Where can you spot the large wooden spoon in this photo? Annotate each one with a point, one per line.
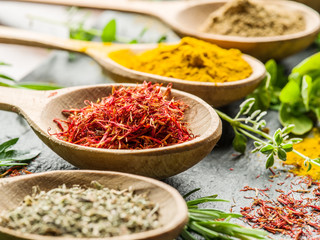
(40, 108)
(186, 17)
(216, 94)
(173, 213)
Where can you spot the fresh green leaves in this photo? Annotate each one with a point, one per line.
(300, 104)
(12, 157)
(214, 224)
(297, 97)
(109, 31)
(274, 146)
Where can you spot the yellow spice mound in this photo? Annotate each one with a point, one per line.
(191, 59)
(310, 147)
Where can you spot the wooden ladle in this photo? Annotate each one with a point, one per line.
(216, 94)
(39, 108)
(186, 17)
(173, 213)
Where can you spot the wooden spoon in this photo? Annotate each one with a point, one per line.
(40, 108)
(186, 17)
(216, 94)
(173, 210)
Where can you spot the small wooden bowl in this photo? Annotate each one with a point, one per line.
(173, 210)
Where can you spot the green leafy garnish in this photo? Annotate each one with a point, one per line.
(296, 97)
(109, 31)
(249, 124)
(11, 157)
(214, 224)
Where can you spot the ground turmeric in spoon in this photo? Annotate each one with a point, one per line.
(191, 59)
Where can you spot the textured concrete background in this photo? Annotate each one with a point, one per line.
(222, 172)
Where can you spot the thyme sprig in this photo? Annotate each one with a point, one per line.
(214, 224)
(251, 126)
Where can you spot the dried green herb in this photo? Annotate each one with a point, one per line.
(79, 212)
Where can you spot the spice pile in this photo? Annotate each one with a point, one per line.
(294, 213)
(309, 146)
(191, 59)
(249, 18)
(83, 212)
(138, 117)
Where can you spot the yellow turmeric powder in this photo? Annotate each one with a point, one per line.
(191, 59)
(310, 147)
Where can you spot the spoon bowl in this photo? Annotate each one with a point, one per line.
(173, 213)
(216, 94)
(187, 17)
(41, 107)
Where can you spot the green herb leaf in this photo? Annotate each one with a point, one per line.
(270, 161)
(38, 86)
(11, 157)
(8, 144)
(267, 149)
(109, 31)
(287, 147)
(282, 154)
(309, 64)
(163, 38)
(290, 93)
(306, 90)
(239, 142)
(246, 106)
(303, 124)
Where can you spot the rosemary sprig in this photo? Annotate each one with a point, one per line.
(214, 224)
(251, 126)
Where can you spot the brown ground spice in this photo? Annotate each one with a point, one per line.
(247, 18)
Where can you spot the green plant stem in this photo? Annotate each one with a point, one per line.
(237, 124)
(251, 136)
(300, 154)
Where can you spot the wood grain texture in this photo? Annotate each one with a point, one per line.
(173, 210)
(186, 18)
(41, 107)
(216, 94)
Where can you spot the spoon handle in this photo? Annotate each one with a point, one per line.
(29, 38)
(22, 101)
(153, 8)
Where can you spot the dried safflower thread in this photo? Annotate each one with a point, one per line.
(93, 212)
(293, 213)
(139, 117)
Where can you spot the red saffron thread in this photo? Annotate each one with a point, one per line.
(137, 117)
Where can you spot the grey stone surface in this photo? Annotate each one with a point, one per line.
(222, 172)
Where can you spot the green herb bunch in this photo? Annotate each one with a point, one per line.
(214, 224)
(12, 157)
(297, 97)
(251, 126)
